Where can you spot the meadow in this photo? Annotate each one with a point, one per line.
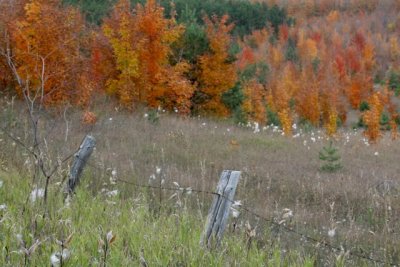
(292, 213)
(301, 97)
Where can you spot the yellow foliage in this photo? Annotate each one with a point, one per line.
(333, 16)
(254, 103)
(312, 49)
(47, 43)
(394, 47)
(331, 124)
(369, 56)
(372, 117)
(216, 75)
(286, 121)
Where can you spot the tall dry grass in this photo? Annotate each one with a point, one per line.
(357, 207)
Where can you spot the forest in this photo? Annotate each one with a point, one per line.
(320, 63)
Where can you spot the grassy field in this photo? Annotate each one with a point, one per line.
(355, 209)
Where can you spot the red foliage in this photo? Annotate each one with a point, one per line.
(353, 59)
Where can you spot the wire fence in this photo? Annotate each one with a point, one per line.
(302, 236)
(318, 242)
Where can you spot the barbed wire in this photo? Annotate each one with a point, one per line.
(316, 241)
(270, 221)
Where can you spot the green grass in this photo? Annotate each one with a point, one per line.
(170, 238)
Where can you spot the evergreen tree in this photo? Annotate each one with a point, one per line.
(330, 157)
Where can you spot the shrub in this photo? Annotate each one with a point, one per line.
(272, 117)
(364, 106)
(330, 158)
(394, 82)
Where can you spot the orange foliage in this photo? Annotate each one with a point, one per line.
(368, 56)
(247, 57)
(372, 117)
(325, 69)
(340, 66)
(102, 64)
(141, 46)
(308, 106)
(312, 49)
(254, 103)
(179, 90)
(155, 36)
(354, 93)
(334, 68)
(333, 16)
(89, 118)
(353, 60)
(281, 98)
(217, 75)
(47, 43)
(10, 11)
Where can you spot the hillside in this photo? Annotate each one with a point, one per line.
(301, 97)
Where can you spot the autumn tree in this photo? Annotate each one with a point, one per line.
(47, 51)
(308, 97)
(141, 43)
(254, 101)
(280, 97)
(372, 117)
(10, 11)
(156, 35)
(217, 75)
(121, 33)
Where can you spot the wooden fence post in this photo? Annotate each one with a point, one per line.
(219, 212)
(81, 157)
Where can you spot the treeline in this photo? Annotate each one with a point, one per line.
(228, 58)
(246, 15)
(176, 54)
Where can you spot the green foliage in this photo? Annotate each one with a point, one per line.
(397, 120)
(249, 72)
(239, 117)
(291, 51)
(360, 123)
(364, 106)
(272, 117)
(153, 116)
(258, 70)
(263, 70)
(306, 125)
(330, 157)
(234, 49)
(384, 121)
(233, 99)
(315, 63)
(246, 15)
(276, 17)
(394, 81)
(94, 10)
(92, 218)
(194, 41)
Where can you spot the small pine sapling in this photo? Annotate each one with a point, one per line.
(331, 158)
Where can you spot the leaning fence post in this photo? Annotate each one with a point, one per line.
(219, 212)
(81, 157)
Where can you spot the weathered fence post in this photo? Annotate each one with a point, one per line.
(81, 157)
(219, 212)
